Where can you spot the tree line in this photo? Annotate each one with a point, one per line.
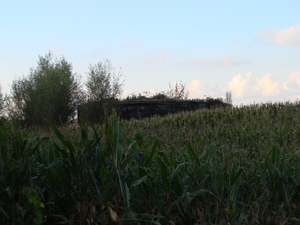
(52, 91)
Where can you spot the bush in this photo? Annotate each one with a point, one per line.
(51, 91)
(102, 82)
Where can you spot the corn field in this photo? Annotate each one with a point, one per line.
(239, 165)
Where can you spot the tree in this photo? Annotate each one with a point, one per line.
(102, 82)
(103, 89)
(228, 99)
(178, 91)
(1, 102)
(51, 91)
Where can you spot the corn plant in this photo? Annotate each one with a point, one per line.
(238, 165)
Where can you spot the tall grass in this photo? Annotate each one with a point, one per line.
(223, 166)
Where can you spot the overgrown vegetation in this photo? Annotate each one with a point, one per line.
(104, 87)
(103, 83)
(51, 91)
(237, 165)
(176, 92)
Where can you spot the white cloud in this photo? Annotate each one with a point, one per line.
(196, 88)
(152, 92)
(228, 60)
(159, 57)
(126, 93)
(245, 86)
(292, 84)
(199, 89)
(266, 85)
(285, 37)
(239, 85)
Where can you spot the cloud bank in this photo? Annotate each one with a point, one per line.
(239, 85)
(285, 37)
(266, 86)
(292, 84)
(247, 88)
(197, 88)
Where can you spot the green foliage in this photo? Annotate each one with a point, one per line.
(103, 89)
(1, 102)
(50, 91)
(136, 97)
(228, 98)
(160, 96)
(177, 91)
(222, 166)
(102, 82)
(93, 112)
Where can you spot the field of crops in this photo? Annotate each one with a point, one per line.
(238, 165)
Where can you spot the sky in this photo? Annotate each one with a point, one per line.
(251, 48)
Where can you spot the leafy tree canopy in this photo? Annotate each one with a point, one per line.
(103, 82)
(51, 91)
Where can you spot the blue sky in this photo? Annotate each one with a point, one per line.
(249, 47)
